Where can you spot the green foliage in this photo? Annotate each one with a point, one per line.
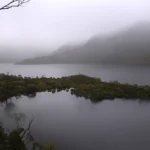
(15, 141)
(12, 140)
(19, 138)
(3, 139)
(80, 85)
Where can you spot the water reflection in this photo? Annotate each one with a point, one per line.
(33, 95)
(77, 124)
(10, 108)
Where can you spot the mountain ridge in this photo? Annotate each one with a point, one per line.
(130, 46)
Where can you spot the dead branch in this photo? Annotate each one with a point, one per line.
(14, 3)
(28, 129)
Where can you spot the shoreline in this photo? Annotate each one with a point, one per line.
(79, 85)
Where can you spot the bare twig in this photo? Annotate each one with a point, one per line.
(28, 128)
(27, 140)
(14, 3)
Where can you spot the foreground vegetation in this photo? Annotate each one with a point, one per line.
(20, 138)
(79, 85)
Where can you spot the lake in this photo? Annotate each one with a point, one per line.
(132, 74)
(72, 123)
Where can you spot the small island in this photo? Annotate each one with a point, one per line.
(79, 85)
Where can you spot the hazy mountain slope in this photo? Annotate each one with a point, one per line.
(130, 46)
(8, 55)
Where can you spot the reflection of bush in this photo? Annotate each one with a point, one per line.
(79, 85)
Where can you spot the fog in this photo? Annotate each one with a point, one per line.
(42, 26)
(51, 23)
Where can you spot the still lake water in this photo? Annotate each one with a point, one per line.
(72, 123)
(132, 74)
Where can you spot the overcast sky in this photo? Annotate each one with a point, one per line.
(51, 23)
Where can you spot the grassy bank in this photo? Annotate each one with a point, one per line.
(79, 85)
